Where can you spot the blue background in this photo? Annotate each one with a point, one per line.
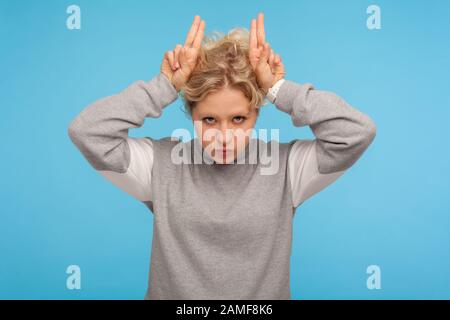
(390, 209)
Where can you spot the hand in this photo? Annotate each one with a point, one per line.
(267, 65)
(179, 63)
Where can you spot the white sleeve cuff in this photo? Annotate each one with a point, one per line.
(272, 92)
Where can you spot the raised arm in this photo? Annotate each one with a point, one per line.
(342, 132)
(342, 135)
(100, 131)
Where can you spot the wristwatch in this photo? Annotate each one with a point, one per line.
(272, 92)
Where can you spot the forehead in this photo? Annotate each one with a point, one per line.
(225, 102)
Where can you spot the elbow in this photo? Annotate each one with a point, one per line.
(71, 130)
(370, 131)
(333, 157)
(75, 132)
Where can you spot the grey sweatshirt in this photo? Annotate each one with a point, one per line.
(220, 231)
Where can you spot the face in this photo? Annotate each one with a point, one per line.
(224, 120)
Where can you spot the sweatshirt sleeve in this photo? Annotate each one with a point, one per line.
(342, 134)
(100, 132)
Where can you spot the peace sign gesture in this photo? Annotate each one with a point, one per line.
(179, 63)
(267, 65)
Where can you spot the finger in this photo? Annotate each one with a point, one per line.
(253, 36)
(271, 58)
(277, 59)
(255, 56)
(265, 52)
(170, 58)
(182, 58)
(279, 70)
(260, 29)
(199, 36)
(279, 67)
(192, 31)
(176, 52)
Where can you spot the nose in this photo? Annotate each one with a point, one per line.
(224, 136)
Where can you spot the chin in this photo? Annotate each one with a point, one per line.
(221, 160)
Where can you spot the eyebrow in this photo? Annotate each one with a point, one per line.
(212, 115)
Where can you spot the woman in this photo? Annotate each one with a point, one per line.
(222, 227)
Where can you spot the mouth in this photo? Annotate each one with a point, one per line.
(224, 151)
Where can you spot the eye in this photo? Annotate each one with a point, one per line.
(209, 120)
(239, 119)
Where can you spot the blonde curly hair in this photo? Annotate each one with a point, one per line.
(223, 62)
